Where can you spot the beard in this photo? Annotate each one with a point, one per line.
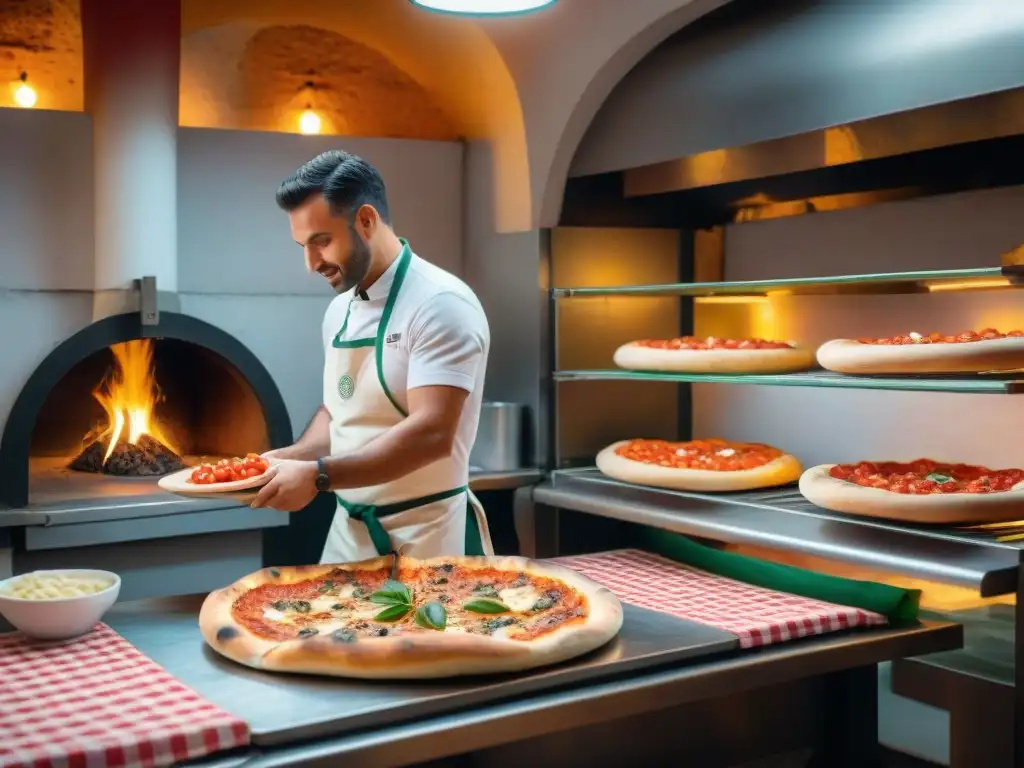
(356, 266)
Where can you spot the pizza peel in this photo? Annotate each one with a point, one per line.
(243, 491)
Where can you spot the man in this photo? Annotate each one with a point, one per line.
(405, 346)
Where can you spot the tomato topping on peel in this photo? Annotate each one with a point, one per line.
(925, 476)
(712, 454)
(229, 470)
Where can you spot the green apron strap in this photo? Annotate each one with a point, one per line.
(369, 514)
(404, 258)
(337, 343)
(474, 541)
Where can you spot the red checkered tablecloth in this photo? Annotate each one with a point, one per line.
(97, 702)
(757, 616)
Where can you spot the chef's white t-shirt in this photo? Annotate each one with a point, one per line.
(437, 336)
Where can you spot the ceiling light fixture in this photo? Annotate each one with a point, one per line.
(25, 94)
(483, 7)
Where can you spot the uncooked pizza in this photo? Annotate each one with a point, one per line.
(966, 352)
(441, 617)
(698, 465)
(923, 491)
(689, 354)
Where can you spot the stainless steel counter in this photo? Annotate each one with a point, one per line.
(117, 499)
(643, 693)
(783, 519)
(286, 708)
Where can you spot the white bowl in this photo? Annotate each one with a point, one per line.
(59, 618)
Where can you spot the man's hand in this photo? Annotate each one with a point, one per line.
(292, 486)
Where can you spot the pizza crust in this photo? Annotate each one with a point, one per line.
(827, 492)
(785, 469)
(419, 655)
(636, 357)
(850, 356)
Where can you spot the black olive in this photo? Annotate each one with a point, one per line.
(543, 604)
(302, 606)
(280, 605)
(337, 607)
(441, 580)
(343, 636)
(381, 632)
(447, 567)
(485, 590)
(504, 621)
(308, 631)
(444, 599)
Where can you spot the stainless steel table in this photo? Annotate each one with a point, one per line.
(665, 684)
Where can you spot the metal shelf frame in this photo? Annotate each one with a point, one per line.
(887, 282)
(783, 519)
(823, 379)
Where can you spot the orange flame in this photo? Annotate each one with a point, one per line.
(129, 395)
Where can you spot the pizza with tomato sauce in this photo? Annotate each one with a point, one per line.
(689, 354)
(923, 490)
(225, 476)
(441, 617)
(983, 351)
(698, 465)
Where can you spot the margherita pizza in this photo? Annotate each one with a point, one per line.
(698, 465)
(223, 477)
(967, 352)
(921, 491)
(441, 617)
(689, 354)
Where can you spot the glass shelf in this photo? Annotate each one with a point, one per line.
(995, 384)
(896, 282)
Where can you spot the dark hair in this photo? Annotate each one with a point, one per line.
(346, 181)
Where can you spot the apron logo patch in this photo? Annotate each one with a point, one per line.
(392, 338)
(346, 387)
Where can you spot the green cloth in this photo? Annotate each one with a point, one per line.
(892, 602)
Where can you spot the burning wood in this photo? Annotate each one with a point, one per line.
(131, 442)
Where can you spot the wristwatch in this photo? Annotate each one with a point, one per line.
(323, 482)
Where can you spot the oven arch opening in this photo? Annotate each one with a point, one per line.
(179, 331)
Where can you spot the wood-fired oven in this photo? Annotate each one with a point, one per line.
(125, 400)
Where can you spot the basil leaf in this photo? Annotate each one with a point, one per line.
(936, 477)
(388, 598)
(395, 586)
(432, 616)
(483, 605)
(392, 593)
(394, 613)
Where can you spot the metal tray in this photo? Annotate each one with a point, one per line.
(282, 708)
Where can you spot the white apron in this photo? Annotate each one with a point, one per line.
(431, 512)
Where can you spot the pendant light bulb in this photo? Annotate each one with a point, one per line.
(309, 123)
(25, 95)
(483, 7)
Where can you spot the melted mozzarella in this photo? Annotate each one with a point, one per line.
(519, 598)
(273, 615)
(323, 604)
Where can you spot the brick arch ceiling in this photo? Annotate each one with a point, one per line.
(245, 76)
(454, 61)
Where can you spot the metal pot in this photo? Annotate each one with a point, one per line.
(499, 437)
